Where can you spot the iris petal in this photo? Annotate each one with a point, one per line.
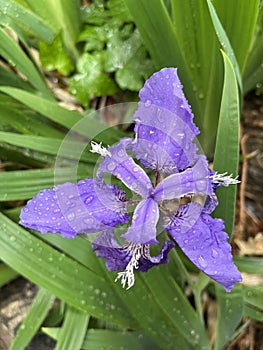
(124, 168)
(117, 256)
(205, 244)
(192, 180)
(69, 209)
(143, 226)
(164, 120)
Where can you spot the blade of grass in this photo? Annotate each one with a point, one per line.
(27, 19)
(249, 264)
(72, 149)
(6, 274)
(97, 339)
(230, 313)
(63, 15)
(156, 28)
(236, 22)
(253, 73)
(225, 43)
(73, 330)
(33, 320)
(24, 184)
(227, 145)
(87, 126)
(11, 51)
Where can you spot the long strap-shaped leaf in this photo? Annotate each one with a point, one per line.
(253, 73)
(156, 28)
(73, 330)
(33, 320)
(11, 51)
(89, 127)
(224, 41)
(230, 313)
(98, 339)
(24, 184)
(226, 159)
(227, 145)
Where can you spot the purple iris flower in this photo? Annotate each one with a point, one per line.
(172, 189)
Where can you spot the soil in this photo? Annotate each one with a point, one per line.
(17, 296)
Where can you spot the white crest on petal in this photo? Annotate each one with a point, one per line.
(127, 276)
(98, 148)
(224, 179)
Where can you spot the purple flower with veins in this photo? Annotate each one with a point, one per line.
(178, 195)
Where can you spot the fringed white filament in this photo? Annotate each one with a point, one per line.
(98, 148)
(224, 179)
(127, 276)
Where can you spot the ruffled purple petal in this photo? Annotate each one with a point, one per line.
(70, 209)
(117, 256)
(164, 120)
(124, 168)
(205, 244)
(108, 248)
(145, 263)
(143, 226)
(192, 180)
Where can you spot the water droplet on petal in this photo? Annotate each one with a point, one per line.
(148, 103)
(214, 253)
(71, 216)
(89, 199)
(202, 261)
(111, 166)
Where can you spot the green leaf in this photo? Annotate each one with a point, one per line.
(186, 40)
(249, 264)
(129, 58)
(11, 51)
(33, 320)
(61, 15)
(27, 19)
(253, 306)
(156, 29)
(15, 116)
(236, 23)
(61, 275)
(9, 78)
(176, 306)
(24, 184)
(95, 37)
(253, 73)
(96, 339)
(253, 296)
(230, 313)
(226, 157)
(253, 313)
(91, 81)
(53, 56)
(99, 338)
(6, 274)
(224, 41)
(81, 251)
(73, 330)
(84, 125)
(41, 105)
(72, 149)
